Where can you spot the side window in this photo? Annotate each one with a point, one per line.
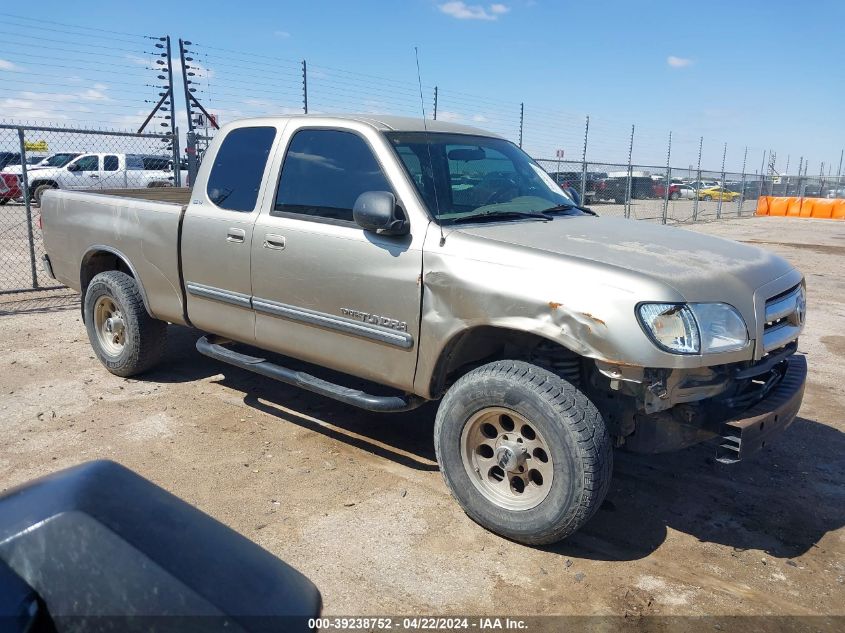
(110, 163)
(324, 173)
(88, 163)
(238, 168)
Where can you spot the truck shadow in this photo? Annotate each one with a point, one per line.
(404, 438)
(782, 500)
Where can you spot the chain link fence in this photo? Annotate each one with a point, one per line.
(35, 159)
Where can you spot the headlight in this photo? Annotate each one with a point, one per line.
(694, 328)
(722, 328)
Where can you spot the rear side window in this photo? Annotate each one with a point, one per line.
(324, 173)
(238, 167)
(110, 163)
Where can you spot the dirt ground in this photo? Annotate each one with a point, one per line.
(355, 500)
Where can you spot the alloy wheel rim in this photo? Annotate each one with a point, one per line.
(109, 326)
(507, 458)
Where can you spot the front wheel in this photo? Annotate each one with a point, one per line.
(39, 192)
(708, 198)
(525, 453)
(125, 338)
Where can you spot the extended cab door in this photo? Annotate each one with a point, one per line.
(217, 231)
(325, 290)
(112, 173)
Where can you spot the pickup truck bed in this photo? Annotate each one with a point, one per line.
(137, 226)
(176, 195)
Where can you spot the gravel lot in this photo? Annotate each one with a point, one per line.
(356, 502)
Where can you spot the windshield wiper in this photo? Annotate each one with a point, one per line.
(501, 214)
(569, 207)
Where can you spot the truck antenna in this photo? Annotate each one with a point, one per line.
(428, 147)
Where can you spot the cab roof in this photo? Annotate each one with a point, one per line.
(384, 123)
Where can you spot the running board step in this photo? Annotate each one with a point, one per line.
(214, 348)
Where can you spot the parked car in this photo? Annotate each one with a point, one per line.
(659, 187)
(615, 188)
(9, 158)
(59, 159)
(101, 171)
(685, 192)
(718, 193)
(9, 188)
(836, 193)
(572, 180)
(549, 335)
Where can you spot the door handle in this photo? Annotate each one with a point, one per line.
(236, 236)
(93, 176)
(274, 242)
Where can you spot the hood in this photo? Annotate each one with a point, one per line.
(700, 267)
(17, 171)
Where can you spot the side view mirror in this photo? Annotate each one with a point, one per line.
(377, 211)
(572, 192)
(73, 167)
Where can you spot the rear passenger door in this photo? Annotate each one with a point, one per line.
(217, 232)
(111, 175)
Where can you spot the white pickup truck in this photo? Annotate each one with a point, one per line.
(102, 171)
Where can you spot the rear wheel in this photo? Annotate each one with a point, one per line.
(525, 453)
(4, 201)
(125, 338)
(707, 197)
(674, 195)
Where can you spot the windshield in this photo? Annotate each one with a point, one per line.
(58, 160)
(475, 176)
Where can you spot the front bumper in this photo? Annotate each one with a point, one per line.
(744, 435)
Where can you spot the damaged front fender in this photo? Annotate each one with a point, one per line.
(586, 306)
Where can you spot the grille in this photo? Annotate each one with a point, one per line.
(784, 318)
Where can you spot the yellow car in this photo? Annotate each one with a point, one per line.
(717, 193)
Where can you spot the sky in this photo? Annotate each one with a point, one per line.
(763, 75)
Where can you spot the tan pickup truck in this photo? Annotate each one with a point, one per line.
(439, 261)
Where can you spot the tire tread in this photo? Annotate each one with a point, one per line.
(583, 419)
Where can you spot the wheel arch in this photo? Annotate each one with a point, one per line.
(36, 182)
(100, 258)
(481, 344)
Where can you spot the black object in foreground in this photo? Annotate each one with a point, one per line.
(96, 547)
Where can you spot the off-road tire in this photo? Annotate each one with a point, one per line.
(578, 441)
(39, 192)
(145, 337)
